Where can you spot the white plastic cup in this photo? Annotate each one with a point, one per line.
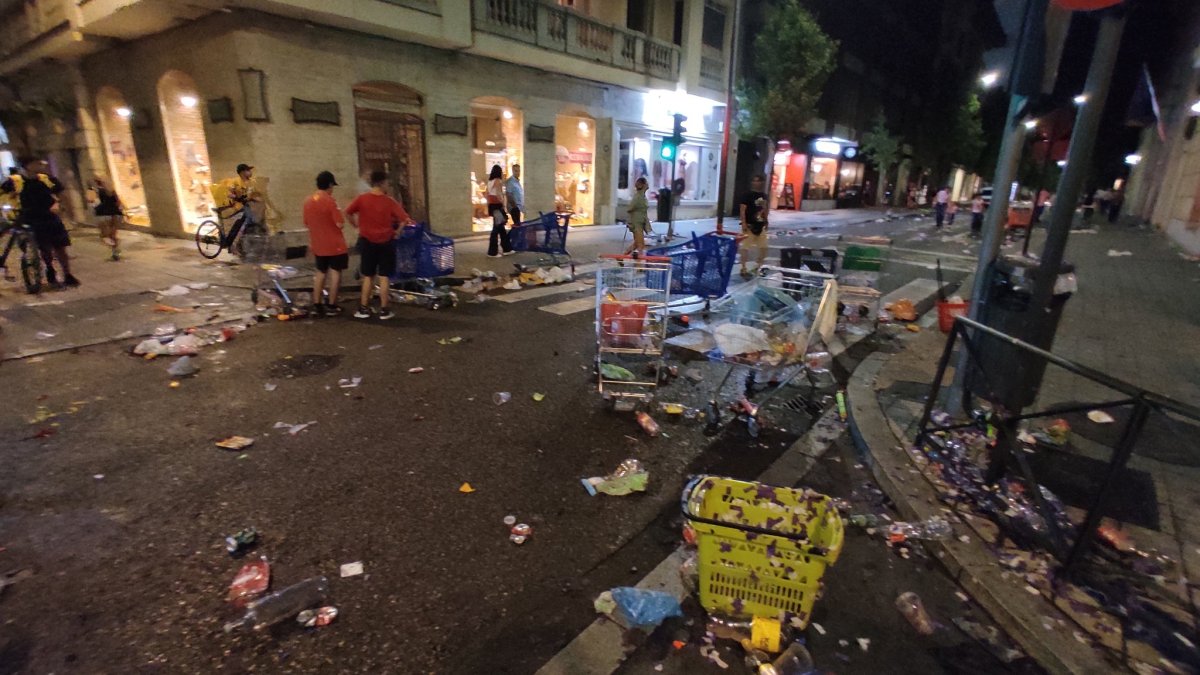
(501, 397)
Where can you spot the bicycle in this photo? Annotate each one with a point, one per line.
(20, 236)
(211, 238)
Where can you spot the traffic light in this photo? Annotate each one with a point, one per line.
(670, 146)
(667, 151)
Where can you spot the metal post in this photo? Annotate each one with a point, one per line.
(671, 201)
(943, 363)
(723, 177)
(1083, 139)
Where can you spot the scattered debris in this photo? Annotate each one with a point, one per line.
(241, 541)
(466, 488)
(414, 371)
(235, 443)
(42, 335)
(294, 429)
(1100, 417)
(910, 606)
(313, 618)
(1113, 253)
(175, 290)
(250, 582)
(270, 386)
(637, 608)
(184, 367)
(630, 476)
(501, 397)
(352, 569)
(282, 605)
(349, 383)
(520, 533)
(647, 423)
(451, 341)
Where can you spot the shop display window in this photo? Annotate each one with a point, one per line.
(823, 178)
(696, 165)
(497, 138)
(187, 148)
(574, 175)
(123, 163)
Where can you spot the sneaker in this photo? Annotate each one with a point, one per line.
(70, 280)
(363, 313)
(332, 310)
(509, 253)
(109, 241)
(493, 255)
(51, 277)
(385, 314)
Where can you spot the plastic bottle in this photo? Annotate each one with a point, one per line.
(936, 529)
(648, 424)
(795, 660)
(909, 604)
(282, 605)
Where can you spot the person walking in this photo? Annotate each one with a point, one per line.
(324, 221)
(495, 205)
(1115, 204)
(39, 210)
(939, 206)
(514, 195)
(639, 219)
(977, 208)
(378, 219)
(753, 212)
(109, 210)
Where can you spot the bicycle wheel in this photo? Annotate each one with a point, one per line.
(209, 237)
(31, 266)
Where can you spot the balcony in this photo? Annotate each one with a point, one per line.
(561, 30)
(21, 23)
(713, 72)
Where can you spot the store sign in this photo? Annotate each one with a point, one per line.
(580, 157)
(826, 147)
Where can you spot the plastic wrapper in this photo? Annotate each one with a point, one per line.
(638, 607)
(630, 476)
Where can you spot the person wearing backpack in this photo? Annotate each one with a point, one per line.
(753, 210)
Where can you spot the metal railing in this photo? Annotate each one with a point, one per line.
(713, 73)
(559, 29)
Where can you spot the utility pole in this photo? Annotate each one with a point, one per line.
(731, 81)
(1083, 140)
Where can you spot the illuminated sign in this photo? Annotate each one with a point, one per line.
(826, 147)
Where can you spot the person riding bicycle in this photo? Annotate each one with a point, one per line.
(243, 194)
(38, 192)
(10, 194)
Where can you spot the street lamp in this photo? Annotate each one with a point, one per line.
(989, 79)
(124, 112)
(1196, 107)
(1080, 99)
(1031, 124)
(1133, 160)
(1062, 163)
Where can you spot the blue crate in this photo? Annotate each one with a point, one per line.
(701, 266)
(420, 254)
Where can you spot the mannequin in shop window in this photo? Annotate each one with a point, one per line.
(495, 204)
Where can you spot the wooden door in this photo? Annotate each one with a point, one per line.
(395, 142)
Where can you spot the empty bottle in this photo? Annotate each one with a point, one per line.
(913, 609)
(282, 605)
(795, 660)
(648, 424)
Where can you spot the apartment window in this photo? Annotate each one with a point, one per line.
(626, 160)
(580, 6)
(677, 29)
(636, 14)
(713, 34)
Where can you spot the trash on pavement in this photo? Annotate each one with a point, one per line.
(735, 339)
(282, 605)
(513, 285)
(630, 476)
(349, 383)
(414, 371)
(250, 582)
(270, 386)
(766, 634)
(235, 443)
(520, 533)
(991, 637)
(902, 310)
(184, 367)
(175, 290)
(637, 608)
(694, 375)
(241, 541)
(321, 616)
(451, 341)
(910, 606)
(615, 372)
(165, 329)
(43, 335)
(934, 529)
(841, 404)
(1114, 253)
(1100, 417)
(501, 397)
(647, 423)
(538, 397)
(697, 340)
(466, 488)
(168, 308)
(795, 660)
(510, 520)
(199, 285)
(351, 569)
(294, 429)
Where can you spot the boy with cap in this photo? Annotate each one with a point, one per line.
(324, 221)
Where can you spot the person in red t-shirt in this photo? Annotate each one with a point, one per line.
(324, 221)
(378, 218)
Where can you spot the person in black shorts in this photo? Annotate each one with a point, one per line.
(39, 210)
(378, 218)
(324, 221)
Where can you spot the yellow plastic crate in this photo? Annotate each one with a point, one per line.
(763, 549)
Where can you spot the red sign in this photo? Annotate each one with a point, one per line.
(1086, 5)
(580, 157)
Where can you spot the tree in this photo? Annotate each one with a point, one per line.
(883, 150)
(966, 134)
(793, 60)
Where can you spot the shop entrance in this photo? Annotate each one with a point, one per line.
(391, 138)
(187, 147)
(575, 156)
(497, 138)
(122, 157)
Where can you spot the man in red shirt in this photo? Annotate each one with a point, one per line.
(324, 221)
(378, 218)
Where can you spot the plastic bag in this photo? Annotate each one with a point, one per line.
(630, 476)
(638, 607)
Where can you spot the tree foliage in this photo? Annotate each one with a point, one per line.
(966, 134)
(882, 150)
(794, 59)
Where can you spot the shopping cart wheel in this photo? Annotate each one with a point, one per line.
(209, 236)
(254, 296)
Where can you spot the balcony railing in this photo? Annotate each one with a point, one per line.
(25, 22)
(713, 73)
(562, 30)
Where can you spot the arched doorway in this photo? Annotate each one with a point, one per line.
(575, 167)
(187, 147)
(497, 137)
(391, 138)
(122, 156)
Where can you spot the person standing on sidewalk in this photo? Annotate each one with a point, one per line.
(639, 219)
(753, 211)
(514, 195)
(977, 208)
(495, 205)
(109, 210)
(324, 221)
(939, 206)
(39, 210)
(378, 218)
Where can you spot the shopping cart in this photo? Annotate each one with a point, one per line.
(273, 265)
(631, 326)
(771, 326)
(545, 234)
(864, 262)
(762, 549)
(422, 257)
(702, 266)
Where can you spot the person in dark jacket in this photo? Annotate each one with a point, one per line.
(110, 211)
(39, 210)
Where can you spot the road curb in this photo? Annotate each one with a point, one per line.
(1052, 645)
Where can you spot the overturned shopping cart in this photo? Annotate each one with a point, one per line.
(545, 234)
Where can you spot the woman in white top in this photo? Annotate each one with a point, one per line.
(495, 204)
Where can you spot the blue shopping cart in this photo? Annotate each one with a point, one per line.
(701, 266)
(422, 257)
(545, 234)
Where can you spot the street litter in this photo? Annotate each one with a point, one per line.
(630, 476)
(175, 290)
(312, 618)
(513, 285)
(250, 582)
(520, 533)
(168, 308)
(199, 285)
(647, 423)
(184, 367)
(910, 606)
(501, 397)
(282, 605)
(352, 569)
(466, 488)
(1100, 417)
(414, 371)
(349, 383)
(42, 335)
(902, 310)
(235, 443)
(374, 347)
(294, 429)
(270, 386)
(241, 541)
(451, 341)
(1114, 253)
(538, 397)
(991, 637)
(510, 520)
(934, 529)
(637, 608)
(614, 372)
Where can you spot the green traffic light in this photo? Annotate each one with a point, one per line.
(667, 152)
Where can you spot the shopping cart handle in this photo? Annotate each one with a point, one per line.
(645, 258)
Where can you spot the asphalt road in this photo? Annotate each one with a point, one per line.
(117, 506)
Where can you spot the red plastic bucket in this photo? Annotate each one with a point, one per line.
(947, 311)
